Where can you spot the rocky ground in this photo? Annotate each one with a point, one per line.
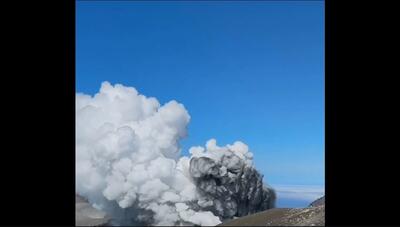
(86, 215)
(314, 215)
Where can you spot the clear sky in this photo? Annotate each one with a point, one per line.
(249, 71)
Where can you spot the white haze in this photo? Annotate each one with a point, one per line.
(128, 161)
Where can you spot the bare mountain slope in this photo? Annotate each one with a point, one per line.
(309, 216)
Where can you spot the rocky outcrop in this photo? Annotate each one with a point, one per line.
(318, 202)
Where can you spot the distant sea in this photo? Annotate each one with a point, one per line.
(292, 203)
(296, 196)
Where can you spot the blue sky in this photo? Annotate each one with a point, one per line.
(249, 71)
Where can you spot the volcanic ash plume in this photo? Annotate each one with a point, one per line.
(128, 164)
(227, 181)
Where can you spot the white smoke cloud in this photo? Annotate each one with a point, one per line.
(128, 162)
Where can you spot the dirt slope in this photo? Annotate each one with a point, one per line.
(309, 216)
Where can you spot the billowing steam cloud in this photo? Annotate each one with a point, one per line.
(128, 164)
